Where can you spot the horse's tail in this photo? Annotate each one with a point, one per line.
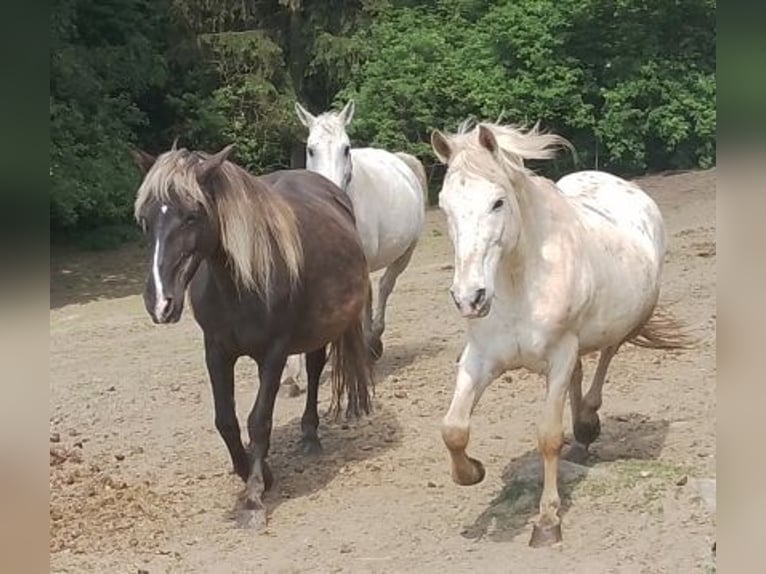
(351, 372)
(662, 331)
(417, 168)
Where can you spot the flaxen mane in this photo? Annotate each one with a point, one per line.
(252, 218)
(516, 144)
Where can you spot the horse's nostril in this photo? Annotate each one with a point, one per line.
(481, 295)
(163, 308)
(454, 297)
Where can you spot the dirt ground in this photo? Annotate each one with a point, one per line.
(140, 479)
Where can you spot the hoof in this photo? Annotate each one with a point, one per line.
(311, 447)
(375, 347)
(251, 519)
(576, 453)
(588, 429)
(474, 476)
(545, 535)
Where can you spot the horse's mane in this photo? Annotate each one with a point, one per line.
(251, 217)
(517, 144)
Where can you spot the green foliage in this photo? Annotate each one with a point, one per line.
(118, 78)
(631, 84)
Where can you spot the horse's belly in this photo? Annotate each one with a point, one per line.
(623, 296)
(384, 250)
(388, 225)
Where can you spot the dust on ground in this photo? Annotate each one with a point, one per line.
(140, 480)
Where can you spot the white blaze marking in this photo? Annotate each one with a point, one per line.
(159, 301)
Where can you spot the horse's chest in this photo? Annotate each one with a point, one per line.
(514, 343)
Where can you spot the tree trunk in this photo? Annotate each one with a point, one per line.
(296, 58)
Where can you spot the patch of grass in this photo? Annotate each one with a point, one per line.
(640, 484)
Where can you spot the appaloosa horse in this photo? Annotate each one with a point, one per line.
(274, 267)
(544, 273)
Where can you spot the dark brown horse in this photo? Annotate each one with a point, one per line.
(274, 267)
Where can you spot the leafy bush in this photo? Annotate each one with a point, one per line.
(631, 83)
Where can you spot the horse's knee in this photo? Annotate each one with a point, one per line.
(455, 437)
(550, 443)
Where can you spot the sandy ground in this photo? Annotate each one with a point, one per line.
(140, 479)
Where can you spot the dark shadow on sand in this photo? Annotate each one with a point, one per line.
(79, 277)
(623, 437)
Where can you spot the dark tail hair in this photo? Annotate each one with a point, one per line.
(351, 372)
(662, 331)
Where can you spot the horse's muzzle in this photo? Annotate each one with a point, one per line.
(474, 305)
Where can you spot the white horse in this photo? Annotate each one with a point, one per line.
(544, 273)
(388, 192)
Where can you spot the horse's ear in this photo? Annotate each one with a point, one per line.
(441, 146)
(210, 165)
(174, 147)
(143, 160)
(304, 116)
(487, 139)
(347, 113)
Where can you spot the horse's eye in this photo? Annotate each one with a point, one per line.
(190, 219)
(497, 205)
(346, 150)
(311, 151)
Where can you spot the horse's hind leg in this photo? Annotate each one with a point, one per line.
(585, 421)
(259, 427)
(576, 452)
(385, 287)
(315, 362)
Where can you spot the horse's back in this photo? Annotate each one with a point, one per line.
(609, 205)
(303, 188)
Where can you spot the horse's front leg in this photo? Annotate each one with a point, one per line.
(550, 436)
(474, 375)
(259, 427)
(220, 367)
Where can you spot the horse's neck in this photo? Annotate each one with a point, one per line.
(221, 275)
(522, 265)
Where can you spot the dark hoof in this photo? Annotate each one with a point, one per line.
(545, 535)
(587, 430)
(290, 389)
(311, 447)
(473, 476)
(376, 348)
(251, 519)
(576, 453)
